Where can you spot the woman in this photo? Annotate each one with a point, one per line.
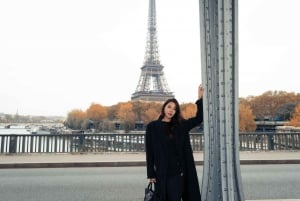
(169, 156)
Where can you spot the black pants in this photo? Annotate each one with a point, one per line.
(175, 187)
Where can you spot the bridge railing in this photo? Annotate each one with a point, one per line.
(269, 141)
(111, 142)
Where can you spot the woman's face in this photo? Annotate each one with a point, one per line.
(169, 111)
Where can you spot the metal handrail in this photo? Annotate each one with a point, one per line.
(114, 142)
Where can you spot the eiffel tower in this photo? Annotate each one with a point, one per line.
(152, 85)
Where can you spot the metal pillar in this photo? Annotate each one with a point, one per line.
(219, 60)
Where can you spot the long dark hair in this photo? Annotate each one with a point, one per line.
(176, 119)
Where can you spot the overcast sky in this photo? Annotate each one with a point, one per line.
(60, 55)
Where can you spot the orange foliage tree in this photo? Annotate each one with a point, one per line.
(246, 119)
(138, 109)
(76, 119)
(188, 110)
(126, 115)
(96, 113)
(269, 104)
(150, 114)
(151, 111)
(295, 120)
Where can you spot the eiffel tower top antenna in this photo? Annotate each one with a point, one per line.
(152, 85)
(152, 53)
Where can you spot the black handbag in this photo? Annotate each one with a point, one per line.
(150, 193)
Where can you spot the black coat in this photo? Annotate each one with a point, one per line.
(156, 155)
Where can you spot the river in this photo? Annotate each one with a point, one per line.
(18, 131)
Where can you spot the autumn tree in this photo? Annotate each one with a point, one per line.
(96, 113)
(188, 110)
(295, 120)
(264, 105)
(151, 111)
(126, 115)
(275, 105)
(112, 112)
(246, 119)
(76, 119)
(138, 109)
(150, 114)
(269, 103)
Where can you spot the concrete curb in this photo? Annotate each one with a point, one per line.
(127, 164)
(73, 164)
(125, 159)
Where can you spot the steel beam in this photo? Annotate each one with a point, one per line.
(219, 60)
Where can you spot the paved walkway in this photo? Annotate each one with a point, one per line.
(114, 159)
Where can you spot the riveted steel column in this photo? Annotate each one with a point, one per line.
(219, 59)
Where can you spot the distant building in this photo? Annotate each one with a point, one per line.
(268, 125)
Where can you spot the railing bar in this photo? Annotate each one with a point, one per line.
(134, 142)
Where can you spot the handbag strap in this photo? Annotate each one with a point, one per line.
(150, 185)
